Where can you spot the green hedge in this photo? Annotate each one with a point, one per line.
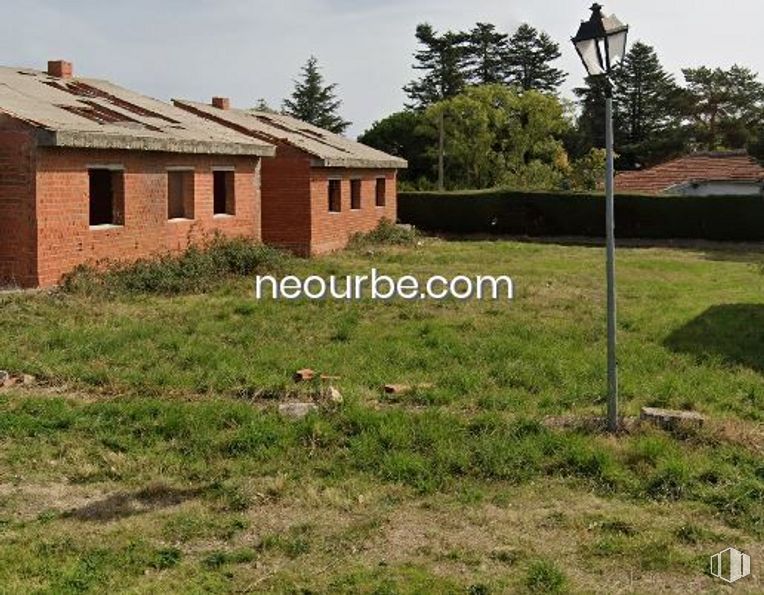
(730, 218)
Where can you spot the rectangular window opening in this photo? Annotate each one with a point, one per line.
(180, 194)
(335, 196)
(381, 192)
(355, 194)
(106, 196)
(224, 200)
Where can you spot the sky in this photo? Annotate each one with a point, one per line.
(251, 49)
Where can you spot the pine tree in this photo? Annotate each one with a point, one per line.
(725, 107)
(591, 122)
(442, 59)
(314, 102)
(645, 94)
(486, 55)
(529, 61)
(646, 101)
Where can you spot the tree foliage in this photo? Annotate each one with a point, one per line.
(496, 135)
(529, 57)
(725, 108)
(402, 134)
(441, 59)
(497, 94)
(648, 114)
(487, 53)
(315, 102)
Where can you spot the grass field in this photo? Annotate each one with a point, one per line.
(149, 456)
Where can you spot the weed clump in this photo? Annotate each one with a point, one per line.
(544, 577)
(386, 233)
(195, 270)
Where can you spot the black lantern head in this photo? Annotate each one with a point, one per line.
(601, 42)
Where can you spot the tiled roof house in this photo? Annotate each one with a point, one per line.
(721, 173)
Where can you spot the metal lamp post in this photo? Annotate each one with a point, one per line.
(601, 44)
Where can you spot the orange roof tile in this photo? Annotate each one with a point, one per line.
(698, 167)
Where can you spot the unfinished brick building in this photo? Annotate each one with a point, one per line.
(321, 188)
(90, 171)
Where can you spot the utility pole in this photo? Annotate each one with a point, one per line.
(441, 152)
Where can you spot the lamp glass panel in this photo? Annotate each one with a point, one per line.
(587, 48)
(617, 46)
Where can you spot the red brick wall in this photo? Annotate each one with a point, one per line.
(286, 200)
(331, 231)
(17, 223)
(66, 239)
(296, 203)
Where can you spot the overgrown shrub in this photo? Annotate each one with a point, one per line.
(195, 270)
(386, 233)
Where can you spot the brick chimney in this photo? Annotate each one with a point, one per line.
(60, 69)
(221, 103)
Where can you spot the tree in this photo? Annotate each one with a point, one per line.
(591, 122)
(529, 59)
(314, 102)
(587, 172)
(486, 55)
(403, 135)
(646, 101)
(496, 135)
(442, 60)
(724, 107)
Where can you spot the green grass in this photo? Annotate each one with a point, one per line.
(150, 458)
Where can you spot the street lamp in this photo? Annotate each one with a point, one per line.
(601, 44)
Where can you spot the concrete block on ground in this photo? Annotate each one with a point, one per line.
(669, 419)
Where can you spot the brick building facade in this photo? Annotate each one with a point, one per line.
(321, 188)
(90, 171)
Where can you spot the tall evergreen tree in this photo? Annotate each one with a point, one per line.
(645, 94)
(441, 59)
(725, 107)
(647, 108)
(529, 61)
(315, 102)
(591, 121)
(487, 55)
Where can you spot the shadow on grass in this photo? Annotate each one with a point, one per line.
(732, 332)
(125, 504)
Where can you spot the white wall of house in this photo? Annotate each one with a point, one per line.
(718, 188)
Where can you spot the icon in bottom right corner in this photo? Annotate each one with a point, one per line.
(730, 565)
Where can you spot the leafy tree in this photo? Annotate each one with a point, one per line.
(487, 55)
(647, 106)
(402, 134)
(587, 172)
(496, 135)
(724, 107)
(314, 102)
(442, 60)
(529, 59)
